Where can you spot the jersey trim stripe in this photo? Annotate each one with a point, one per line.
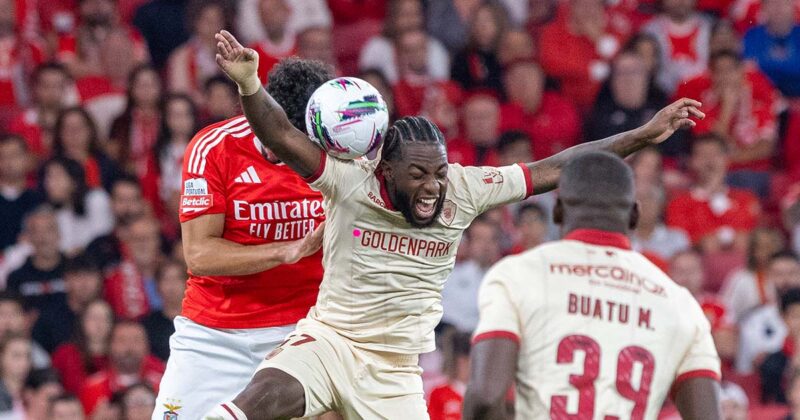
(228, 409)
(243, 130)
(700, 373)
(526, 171)
(320, 169)
(491, 335)
(600, 237)
(200, 151)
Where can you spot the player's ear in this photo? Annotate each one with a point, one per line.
(634, 220)
(558, 212)
(387, 170)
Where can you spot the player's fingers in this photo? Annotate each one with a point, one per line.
(231, 39)
(689, 102)
(221, 38)
(696, 112)
(220, 61)
(222, 51)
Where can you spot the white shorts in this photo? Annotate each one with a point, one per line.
(357, 383)
(208, 366)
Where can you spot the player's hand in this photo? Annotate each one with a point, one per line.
(238, 62)
(675, 116)
(306, 246)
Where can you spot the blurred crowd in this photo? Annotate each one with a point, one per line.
(98, 99)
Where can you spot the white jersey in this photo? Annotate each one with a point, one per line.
(603, 333)
(383, 277)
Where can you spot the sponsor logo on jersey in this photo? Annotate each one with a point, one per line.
(195, 186)
(448, 212)
(619, 277)
(196, 203)
(249, 176)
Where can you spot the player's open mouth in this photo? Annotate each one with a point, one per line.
(425, 207)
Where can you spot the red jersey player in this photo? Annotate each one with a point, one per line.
(244, 217)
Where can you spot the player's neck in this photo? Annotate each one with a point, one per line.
(594, 222)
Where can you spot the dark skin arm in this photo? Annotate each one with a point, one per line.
(698, 399)
(494, 365)
(266, 117)
(545, 172)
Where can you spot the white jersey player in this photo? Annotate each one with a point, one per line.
(589, 328)
(393, 227)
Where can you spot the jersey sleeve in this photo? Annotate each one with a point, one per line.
(203, 181)
(499, 317)
(489, 187)
(334, 175)
(701, 359)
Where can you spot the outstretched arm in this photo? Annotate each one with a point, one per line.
(545, 173)
(698, 398)
(266, 117)
(494, 363)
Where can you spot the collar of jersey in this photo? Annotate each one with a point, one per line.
(384, 191)
(600, 237)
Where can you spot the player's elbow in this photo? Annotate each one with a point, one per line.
(197, 260)
(480, 400)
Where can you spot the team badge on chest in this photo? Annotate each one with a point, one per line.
(448, 212)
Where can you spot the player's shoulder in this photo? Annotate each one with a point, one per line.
(217, 133)
(522, 263)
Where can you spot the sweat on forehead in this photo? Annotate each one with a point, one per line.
(598, 179)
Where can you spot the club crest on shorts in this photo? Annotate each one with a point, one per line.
(448, 212)
(172, 411)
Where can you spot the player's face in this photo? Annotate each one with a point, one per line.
(419, 182)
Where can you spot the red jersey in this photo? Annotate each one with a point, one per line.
(555, 126)
(102, 385)
(225, 171)
(445, 402)
(700, 216)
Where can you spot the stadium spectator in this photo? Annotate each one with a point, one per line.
(65, 407)
(83, 283)
(134, 132)
(593, 41)
(279, 42)
(130, 363)
(648, 48)
(460, 293)
(20, 54)
(16, 199)
(162, 23)
(550, 120)
(531, 224)
(15, 365)
(748, 287)
(449, 20)
(138, 402)
(50, 86)
(628, 99)
(778, 365)
(87, 352)
(445, 400)
(416, 73)
(171, 283)
(39, 281)
(191, 64)
(221, 100)
(380, 52)
(480, 118)
(178, 125)
(651, 235)
(724, 38)
(83, 213)
(740, 106)
(131, 287)
(515, 45)
(76, 137)
(304, 14)
(316, 43)
(15, 322)
(683, 36)
(775, 45)
(763, 331)
(127, 205)
(733, 401)
(714, 216)
(477, 65)
(441, 106)
(40, 387)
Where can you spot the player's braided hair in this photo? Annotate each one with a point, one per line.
(410, 130)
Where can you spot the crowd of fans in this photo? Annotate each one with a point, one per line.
(98, 99)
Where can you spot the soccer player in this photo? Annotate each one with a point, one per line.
(589, 328)
(247, 223)
(393, 226)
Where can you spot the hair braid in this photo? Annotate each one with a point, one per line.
(410, 130)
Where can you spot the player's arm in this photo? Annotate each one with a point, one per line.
(544, 173)
(493, 364)
(698, 399)
(208, 254)
(266, 117)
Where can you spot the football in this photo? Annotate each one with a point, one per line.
(347, 117)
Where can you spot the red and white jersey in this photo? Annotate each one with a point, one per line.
(602, 332)
(684, 48)
(225, 171)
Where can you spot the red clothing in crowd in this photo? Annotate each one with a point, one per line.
(445, 402)
(270, 54)
(462, 151)
(18, 58)
(716, 312)
(71, 367)
(555, 126)
(26, 124)
(349, 11)
(754, 120)
(125, 291)
(410, 94)
(225, 172)
(102, 385)
(692, 212)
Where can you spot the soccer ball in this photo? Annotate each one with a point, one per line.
(347, 117)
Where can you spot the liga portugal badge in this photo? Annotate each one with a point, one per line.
(171, 413)
(448, 212)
